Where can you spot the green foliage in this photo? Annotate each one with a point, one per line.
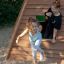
(9, 10)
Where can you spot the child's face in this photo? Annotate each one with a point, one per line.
(54, 9)
(35, 26)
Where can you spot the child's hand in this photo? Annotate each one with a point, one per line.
(17, 40)
(46, 17)
(40, 28)
(49, 14)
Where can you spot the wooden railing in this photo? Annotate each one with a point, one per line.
(16, 27)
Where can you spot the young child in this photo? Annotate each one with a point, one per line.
(57, 21)
(49, 26)
(35, 38)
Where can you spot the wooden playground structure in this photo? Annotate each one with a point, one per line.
(53, 52)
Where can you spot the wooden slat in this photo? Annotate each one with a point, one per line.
(62, 28)
(26, 17)
(57, 46)
(62, 2)
(48, 53)
(33, 11)
(62, 12)
(36, 11)
(48, 61)
(40, 1)
(37, 6)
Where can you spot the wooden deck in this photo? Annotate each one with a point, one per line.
(53, 52)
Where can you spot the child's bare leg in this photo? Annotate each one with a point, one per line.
(34, 52)
(54, 35)
(41, 56)
(37, 46)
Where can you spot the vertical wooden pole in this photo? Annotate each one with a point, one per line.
(16, 28)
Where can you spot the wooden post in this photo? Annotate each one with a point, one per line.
(16, 27)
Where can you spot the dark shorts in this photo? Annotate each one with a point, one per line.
(57, 23)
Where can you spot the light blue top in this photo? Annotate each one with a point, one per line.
(35, 37)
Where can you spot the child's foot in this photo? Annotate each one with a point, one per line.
(41, 62)
(34, 62)
(53, 40)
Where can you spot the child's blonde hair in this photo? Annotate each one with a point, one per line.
(56, 4)
(30, 20)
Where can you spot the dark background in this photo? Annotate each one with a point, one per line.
(9, 10)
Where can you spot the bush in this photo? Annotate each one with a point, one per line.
(9, 10)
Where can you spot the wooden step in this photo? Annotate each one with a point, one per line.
(40, 2)
(59, 45)
(26, 54)
(62, 2)
(35, 6)
(23, 25)
(50, 51)
(37, 11)
(33, 12)
(54, 61)
(48, 61)
(26, 17)
(22, 51)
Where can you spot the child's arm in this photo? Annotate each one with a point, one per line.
(40, 28)
(22, 34)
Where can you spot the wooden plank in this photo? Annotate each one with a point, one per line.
(40, 1)
(48, 60)
(62, 28)
(22, 26)
(62, 12)
(62, 2)
(27, 52)
(34, 11)
(37, 6)
(49, 51)
(61, 33)
(25, 19)
(57, 46)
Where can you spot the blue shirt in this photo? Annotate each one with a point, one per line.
(35, 37)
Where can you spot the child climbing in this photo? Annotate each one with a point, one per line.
(57, 20)
(35, 38)
(49, 26)
(54, 19)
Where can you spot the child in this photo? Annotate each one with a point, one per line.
(57, 20)
(35, 38)
(49, 26)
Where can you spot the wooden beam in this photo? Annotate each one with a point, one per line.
(16, 27)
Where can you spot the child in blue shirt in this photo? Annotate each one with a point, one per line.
(35, 38)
